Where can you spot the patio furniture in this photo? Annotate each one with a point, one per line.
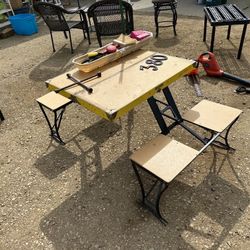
(121, 87)
(162, 6)
(54, 16)
(164, 158)
(225, 15)
(111, 17)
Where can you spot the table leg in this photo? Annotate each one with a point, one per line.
(242, 41)
(205, 29)
(172, 103)
(212, 39)
(158, 116)
(228, 32)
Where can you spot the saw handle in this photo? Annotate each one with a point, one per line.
(210, 64)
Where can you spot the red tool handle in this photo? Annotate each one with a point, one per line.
(210, 65)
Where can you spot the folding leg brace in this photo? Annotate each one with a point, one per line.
(54, 129)
(151, 198)
(57, 104)
(224, 145)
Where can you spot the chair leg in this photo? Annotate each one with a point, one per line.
(65, 34)
(52, 41)
(71, 46)
(99, 40)
(156, 14)
(174, 19)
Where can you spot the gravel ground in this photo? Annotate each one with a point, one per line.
(83, 195)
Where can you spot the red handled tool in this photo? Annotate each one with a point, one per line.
(194, 79)
(212, 68)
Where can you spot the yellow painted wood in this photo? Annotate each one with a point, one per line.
(211, 115)
(164, 157)
(122, 85)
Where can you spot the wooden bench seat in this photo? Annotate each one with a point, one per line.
(215, 118)
(211, 115)
(57, 104)
(164, 158)
(161, 157)
(53, 101)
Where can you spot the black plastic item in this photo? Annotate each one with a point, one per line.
(213, 2)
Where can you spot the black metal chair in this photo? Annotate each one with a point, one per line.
(111, 17)
(165, 5)
(53, 16)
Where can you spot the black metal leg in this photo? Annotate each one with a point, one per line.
(205, 29)
(156, 13)
(54, 129)
(71, 46)
(99, 40)
(65, 34)
(158, 116)
(228, 31)
(212, 39)
(242, 41)
(1, 116)
(172, 103)
(52, 41)
(174, 18)
(151, 199)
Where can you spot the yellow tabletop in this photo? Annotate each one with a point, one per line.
(122, 85)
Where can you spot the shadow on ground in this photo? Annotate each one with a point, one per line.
(104, 212)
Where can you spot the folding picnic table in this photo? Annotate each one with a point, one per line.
(123, 86)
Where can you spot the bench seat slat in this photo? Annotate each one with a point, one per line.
(211, 115)
(53, 101)
(164, 157)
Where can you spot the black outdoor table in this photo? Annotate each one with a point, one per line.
(223, 15)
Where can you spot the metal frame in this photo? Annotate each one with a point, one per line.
(149, 200)
(165, 6)
(152, 203)
(214, 14)
(54, 125)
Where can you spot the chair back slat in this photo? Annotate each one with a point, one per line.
(52, 15)
(108, 18)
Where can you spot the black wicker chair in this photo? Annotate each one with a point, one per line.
(53, 16)
(109, 20)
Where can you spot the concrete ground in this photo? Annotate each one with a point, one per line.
(84, 195)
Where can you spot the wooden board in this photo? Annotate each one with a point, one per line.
(53, 101)
(214, 116)
(164, 157)
(122, 85)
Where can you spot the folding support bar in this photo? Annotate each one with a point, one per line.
(151, 200)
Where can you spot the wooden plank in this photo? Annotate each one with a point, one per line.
(214, 116)
(53, 101)
(123, 85)
(164, 157)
